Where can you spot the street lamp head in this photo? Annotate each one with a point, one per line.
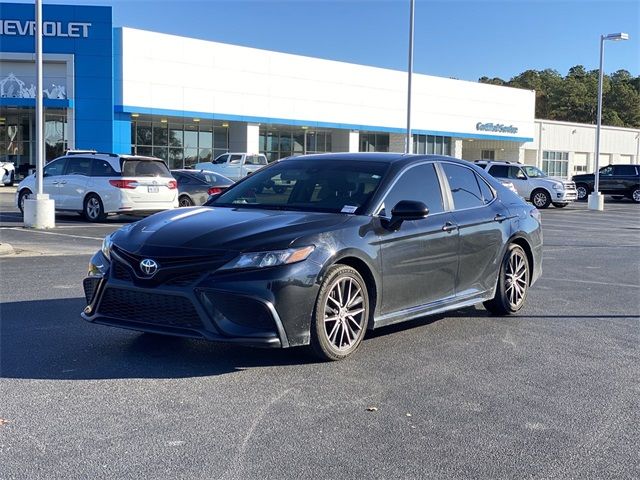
(616, 36)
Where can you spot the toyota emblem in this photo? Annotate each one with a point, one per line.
(148, 266)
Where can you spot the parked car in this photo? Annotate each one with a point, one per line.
(617, 180)
(533, 184)
(97, 184)
(7, 173)
(195, 187)
(234, 165)
(358, 242)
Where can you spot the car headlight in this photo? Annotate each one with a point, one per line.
(106, 246)
(269, 259)
(558, 186)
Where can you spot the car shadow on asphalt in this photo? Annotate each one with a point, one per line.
(47, 339)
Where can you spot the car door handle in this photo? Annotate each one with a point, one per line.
(449, 227)
(499, 218)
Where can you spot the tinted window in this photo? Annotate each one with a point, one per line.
(144, 168)
(54, 168)
(487, 192)
(419, 184)
(235, 158)
(625, 170)
(78, 166)
(102, 168)
(255, 160)
(607, 170)
(309, 185)
(499, 171)
(221, 159)
(516, 173)
(464, 186)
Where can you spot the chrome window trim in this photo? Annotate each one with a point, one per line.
(380, 206)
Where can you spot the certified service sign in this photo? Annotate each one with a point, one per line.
(496, 127)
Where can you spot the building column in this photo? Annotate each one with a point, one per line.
(354, 141)
(244, 137)
(456, 148)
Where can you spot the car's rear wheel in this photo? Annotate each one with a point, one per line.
(341, 314)
(583, 191)
(185, 201)
(24, 194)
(93, 210)
(560, 205)
(513, 283)
(635, 195)
(540, 199)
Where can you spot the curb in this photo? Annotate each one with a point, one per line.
(6, 249)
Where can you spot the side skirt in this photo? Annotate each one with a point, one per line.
(433, 308)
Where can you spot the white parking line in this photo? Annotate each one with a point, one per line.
(591, 282)
(20, 229)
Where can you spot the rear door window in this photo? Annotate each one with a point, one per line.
(625, 170)
(78, 166)
(499, 171)
(464, 186)
(132, 167)
(102, 168)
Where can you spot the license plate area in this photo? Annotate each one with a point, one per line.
(153, 189)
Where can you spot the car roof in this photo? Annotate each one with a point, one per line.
(382, 157)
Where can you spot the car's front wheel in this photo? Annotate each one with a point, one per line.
(93, 209)
(583, 191)
(541, 199)
(24, 194)
(341, 314)
(513, 283)
(635, 195)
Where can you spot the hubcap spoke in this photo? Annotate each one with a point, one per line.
(344, 312)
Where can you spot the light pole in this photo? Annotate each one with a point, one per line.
(408, 144)
(596, 199)
(39, 210)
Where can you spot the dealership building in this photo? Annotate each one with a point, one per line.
(186, 100)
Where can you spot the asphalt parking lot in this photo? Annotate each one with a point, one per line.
(553, 392)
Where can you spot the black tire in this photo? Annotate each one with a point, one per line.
(24, 194)
(583, 191)
(12, 179)
(560, 205)
(93, 209)
(540, 199)
(510, 296)
(635, 195)
(185, 201)
(336, 334)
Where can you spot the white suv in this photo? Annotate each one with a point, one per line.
(96, 184)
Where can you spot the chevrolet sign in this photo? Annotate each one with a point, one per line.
(49, 29)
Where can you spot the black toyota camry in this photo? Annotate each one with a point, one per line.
(351, 242)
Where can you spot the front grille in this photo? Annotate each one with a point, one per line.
(151, 308)
(569, 185)
(183, 280)
(120, 272)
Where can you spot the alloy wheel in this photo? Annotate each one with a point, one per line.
(344, 313)
(540, 199)
(93, 208)
(582, 192)
(516, 279)
(636, 195)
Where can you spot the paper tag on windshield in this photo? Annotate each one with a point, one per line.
(348, 209)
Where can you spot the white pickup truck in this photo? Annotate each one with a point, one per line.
(234, 165)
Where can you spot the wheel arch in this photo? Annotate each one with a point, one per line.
(537, 189)
(365, 269)
(522, 242)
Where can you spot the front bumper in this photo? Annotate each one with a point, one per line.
(564, 196)
(239, 307)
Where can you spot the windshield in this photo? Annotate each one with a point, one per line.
(533, 172)
(310, 185)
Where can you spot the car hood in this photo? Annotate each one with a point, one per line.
(190, 231)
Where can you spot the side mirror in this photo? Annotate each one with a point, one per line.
(406, 210)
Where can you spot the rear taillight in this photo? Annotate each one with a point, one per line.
(172, 184)
(124, 183)
(215, 190)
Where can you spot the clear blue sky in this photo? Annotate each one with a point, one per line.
(464, 39)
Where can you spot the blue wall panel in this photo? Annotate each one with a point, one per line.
(93, 65)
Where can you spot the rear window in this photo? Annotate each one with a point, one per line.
(132, 167)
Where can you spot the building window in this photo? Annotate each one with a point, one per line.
(374, 142)
(179, 143)
(488, 155)
(282, 142)
(432, 144)
(555, 164)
